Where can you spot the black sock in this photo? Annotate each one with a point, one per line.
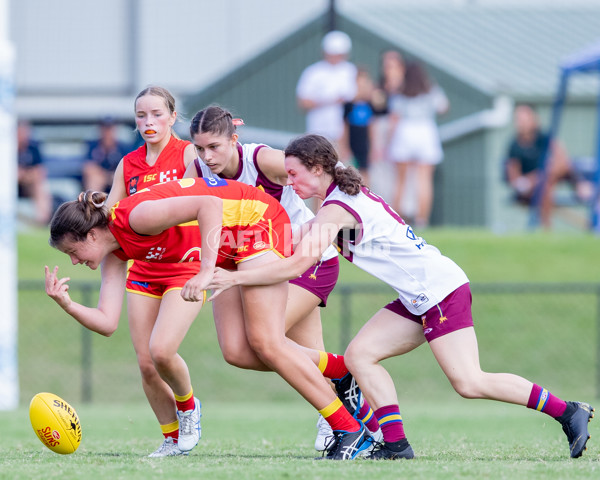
(397, 446)
(570, 410)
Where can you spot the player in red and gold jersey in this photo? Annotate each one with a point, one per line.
(158, 317)
(252, 223)
(235, 225)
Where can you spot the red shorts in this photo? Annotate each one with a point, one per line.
(320, 279)
(156, 290)
(268, 235)
(156, 279)
(451, 314)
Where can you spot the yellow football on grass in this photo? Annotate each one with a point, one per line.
(55, 422)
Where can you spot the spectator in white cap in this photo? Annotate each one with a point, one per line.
(325, 86)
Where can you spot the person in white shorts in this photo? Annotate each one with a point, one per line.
(415, 145)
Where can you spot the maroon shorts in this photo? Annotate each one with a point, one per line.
(320, 279)
(451, 314)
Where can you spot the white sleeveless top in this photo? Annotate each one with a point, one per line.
(384, 246)
(249, 173)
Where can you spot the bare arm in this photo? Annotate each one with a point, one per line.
(189, 155)
(104, 319)
(271, 162)
(322, 231)
(191, 171)
(153, 217)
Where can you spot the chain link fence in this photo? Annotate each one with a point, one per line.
(548, 333)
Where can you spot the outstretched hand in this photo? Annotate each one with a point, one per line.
(221, 281)
(57, 289)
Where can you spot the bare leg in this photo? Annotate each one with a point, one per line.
(385, 335)
(264, 312)
(231, 331)
(458, 355)
(425, 174)
(401, 174)
(302, 323)
(174, 319)
(142, 313)
(303, 318)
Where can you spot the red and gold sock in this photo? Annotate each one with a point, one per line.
(171, 430)
(186, 402)
(391, 424)
(542, 400)
(332, 365)
(338, 417)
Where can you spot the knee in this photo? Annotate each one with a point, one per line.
(237, 358)
(357, 358)
(467, 387)
(266, 348)
(161, 356)
(147, 370)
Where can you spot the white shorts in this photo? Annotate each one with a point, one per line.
(416, 142)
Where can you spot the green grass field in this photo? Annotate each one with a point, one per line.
(273, 440)
(270, 435)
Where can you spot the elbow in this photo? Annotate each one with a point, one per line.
(109, 329)
(107, 332)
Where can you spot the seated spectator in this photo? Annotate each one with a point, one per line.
(32, 175)
(102, 157)
(525, 162)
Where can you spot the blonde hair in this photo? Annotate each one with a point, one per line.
(163, 93)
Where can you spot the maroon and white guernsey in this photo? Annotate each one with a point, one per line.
(387, 248)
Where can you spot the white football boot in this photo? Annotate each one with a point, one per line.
(168, 449)
(376, 439)
(190, 430)
(324, 434)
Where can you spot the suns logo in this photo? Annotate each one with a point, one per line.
(192, 255)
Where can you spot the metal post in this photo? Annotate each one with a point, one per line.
(595, 206)
(86, 351)
(598, 343)
(331, 20)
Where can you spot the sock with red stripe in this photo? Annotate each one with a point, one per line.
(171, 430)
(332, 365)
(338, 417)
(542, 400)
(186, 402)
(391, 424)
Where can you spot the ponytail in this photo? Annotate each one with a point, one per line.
(77, 217)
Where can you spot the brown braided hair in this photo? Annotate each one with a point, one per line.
(213, 119)
(76, 218)
(314, 150)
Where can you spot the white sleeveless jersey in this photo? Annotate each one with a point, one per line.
(384, 246)
(249, 173)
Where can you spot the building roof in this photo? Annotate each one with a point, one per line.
(511, 50)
